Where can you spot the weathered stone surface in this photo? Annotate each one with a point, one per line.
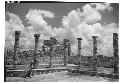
(94, 52)
(36, 57)
(79, 51)
(116, 52)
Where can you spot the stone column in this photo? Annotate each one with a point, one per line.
(35, 65)
(116, 51)
(79, 52)
(16, 47)
(5, 73)
(65, 51)
(36, 41)
(69, 50)
(95, 52)
(115, 44)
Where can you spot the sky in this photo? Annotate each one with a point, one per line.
(63, 21)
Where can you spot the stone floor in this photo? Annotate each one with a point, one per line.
(60, 77)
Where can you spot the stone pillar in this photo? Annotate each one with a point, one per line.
(115, 44)
(65, 51)
(36, 41)
(16, 45)
(116, 51)
(69, 50)
(95, 52)
(79, 52)
(5, 73)
(35, 65)
(16, 48)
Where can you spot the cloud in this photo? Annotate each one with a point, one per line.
(37, 25)
(36, 19)
(107, 38)
(14, 23)
(104, 40)
(84, 23)
(71, 20)
(91, 13)
(102, 6)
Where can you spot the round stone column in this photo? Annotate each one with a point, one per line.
(95, 52)
(36, 57)
(116, 51)
(79, 52)
(16, 49)
(69, 50)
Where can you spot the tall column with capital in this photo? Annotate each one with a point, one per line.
(69, 51)
(16, 47)
(115, 44)
(36, 63)
(116, 51)
(95, 52)
(79, 52)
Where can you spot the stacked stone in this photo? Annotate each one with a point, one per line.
(79, 52)
(16, 45)
(94, 52)
(115, 44)
(16, 48)
(69, 50)
(36, 41)
(36, 63)
(116, 51)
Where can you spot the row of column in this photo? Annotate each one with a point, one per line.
(115, 50)
(16, 50)
(66, 43)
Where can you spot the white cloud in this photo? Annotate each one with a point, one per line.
(104, 40)
(35, 17)
(38, 25)
(14, 23)
(78, 23)
(102, 6)
(91, 13)
(84, 24)
(71, 20)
